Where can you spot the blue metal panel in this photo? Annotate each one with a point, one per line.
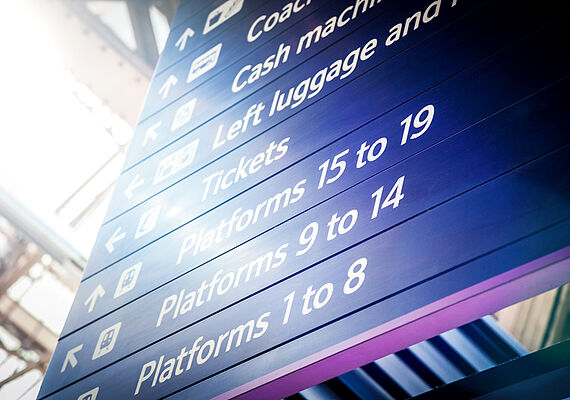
(187, 8)
(216, 96)
(454, 112)
(347, 213)
(453, 157)
(470, 351)
(211, 138)
(543, 373)
(504, 336)
(364, 386)
(402, 374)
(235, 76)
(319, 392)
(436, 361)
(390, 274)
(289, 353)
(188, 207)
(182, 45)
(190, 15)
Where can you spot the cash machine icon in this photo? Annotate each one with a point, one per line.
(204, 63)
(107, 340)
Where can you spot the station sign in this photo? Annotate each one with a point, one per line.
(388, 173)
(188, 43)
(454, 114)
(247, 120)
(268, 60)
(359, 214)
(153, 217)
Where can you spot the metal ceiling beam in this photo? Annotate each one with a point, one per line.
(542, 374)
(167, 7)
(139, 12)
(18, 374)
(102, 30)
(38, 232)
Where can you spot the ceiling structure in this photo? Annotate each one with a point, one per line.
(109, 51)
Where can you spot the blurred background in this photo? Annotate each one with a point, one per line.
(74, 77)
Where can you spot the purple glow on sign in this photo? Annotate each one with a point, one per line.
(461, 307)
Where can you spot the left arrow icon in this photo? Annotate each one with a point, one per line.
(135, 183)
(92, 299)
(118, 235)
(70, 358)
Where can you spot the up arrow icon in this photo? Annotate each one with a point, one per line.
(92, 299)
(181, 43)
(165, 88)
(70, 358)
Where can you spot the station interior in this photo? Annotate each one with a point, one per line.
(75, 76)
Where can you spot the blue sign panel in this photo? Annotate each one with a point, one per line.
(359, 213)
(454, 113)
(267, 63)
(190, 42)
(155, 218)
(357, 278)
(258, 67)
(413, 152)
(186, 8)
(157, 270)
(245, 121)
